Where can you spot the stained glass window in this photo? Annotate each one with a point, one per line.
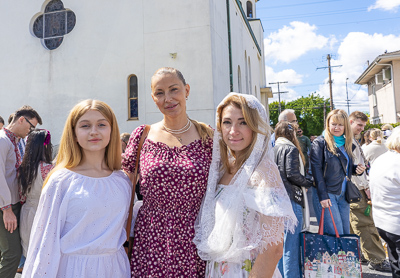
(133, 97)
(53, 24)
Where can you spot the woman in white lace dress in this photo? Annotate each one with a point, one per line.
(239, 230)
(79, 227)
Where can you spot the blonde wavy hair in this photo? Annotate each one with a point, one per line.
(376, 134)
(339, 116)
(253, 121)
(70, 152)
(204, 130)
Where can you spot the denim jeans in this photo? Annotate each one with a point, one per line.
(340, 210)
(289, 264)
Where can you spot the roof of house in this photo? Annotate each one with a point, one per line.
(377, 65)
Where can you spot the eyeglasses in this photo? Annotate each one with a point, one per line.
(32, 128)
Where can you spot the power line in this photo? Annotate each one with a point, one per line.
(328, 58)
(296, 16)
(299, 4)
(349, 22)
(279, 92)
(359, 21)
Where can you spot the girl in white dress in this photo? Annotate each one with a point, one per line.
(79, 227)
(33, 171)
(239, 230)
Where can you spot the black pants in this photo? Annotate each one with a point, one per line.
(393, 246)
(10, 246)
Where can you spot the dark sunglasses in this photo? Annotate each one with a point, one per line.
(32, 126)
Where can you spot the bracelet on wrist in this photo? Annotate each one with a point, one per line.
(6, 207)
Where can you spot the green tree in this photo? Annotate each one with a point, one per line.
(309, 112)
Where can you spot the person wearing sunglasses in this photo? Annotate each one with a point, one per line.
(23, 122)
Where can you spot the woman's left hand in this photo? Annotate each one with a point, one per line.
(360, 169)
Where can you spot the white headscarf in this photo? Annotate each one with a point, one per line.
(255, 207)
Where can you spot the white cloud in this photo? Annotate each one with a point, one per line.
(386, 5)
(291, 42)
(289, 75)
(353, 53)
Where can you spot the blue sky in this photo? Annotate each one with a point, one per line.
(298, 35)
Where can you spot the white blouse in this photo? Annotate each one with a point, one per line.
(79, 227)
(384, 183)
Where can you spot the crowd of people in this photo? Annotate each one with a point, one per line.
(229, 202)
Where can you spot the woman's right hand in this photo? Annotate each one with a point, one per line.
(326, 203)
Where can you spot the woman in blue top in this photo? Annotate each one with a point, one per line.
(330, 155)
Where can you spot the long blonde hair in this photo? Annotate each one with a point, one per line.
(70, 152)
(339, 116)
(204, 130)
(253, 121)
(286, 130)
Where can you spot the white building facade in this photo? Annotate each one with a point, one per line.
(110, 50)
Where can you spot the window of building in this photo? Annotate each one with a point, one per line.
(247, 73)
(250, 86)
(249, 7)
(373, 96)
(53, 24)
(133, 110)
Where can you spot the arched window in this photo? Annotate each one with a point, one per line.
(247, 73)
(239, 81)
(133, 110)
(249, 65)
(249, 7)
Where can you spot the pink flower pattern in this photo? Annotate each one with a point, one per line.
(173, 183)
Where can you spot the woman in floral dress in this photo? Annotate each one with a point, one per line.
(174, 163)
(246, 209)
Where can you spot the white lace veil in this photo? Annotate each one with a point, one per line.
(256, 202)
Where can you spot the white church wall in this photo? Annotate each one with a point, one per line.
(111, 41)
(93, 61)
(184, 30)
(243, 48)
(220, 53)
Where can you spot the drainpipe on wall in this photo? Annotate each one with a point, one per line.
(228, 15)
(394, 95)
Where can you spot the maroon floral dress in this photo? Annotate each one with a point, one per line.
(173, 182)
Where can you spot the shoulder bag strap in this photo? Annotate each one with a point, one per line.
(344, 169)
(134, 181)
(361, 152)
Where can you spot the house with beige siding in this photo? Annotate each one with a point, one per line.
(382, 77)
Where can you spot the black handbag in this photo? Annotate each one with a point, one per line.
(352, 194)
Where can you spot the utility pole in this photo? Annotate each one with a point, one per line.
(347, 100)
(328, 57)
(279, 93)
